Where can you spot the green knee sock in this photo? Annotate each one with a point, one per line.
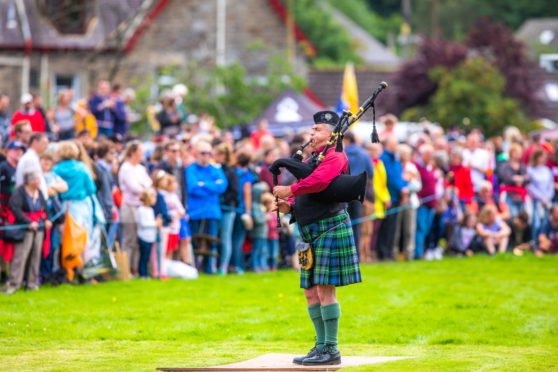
(330, 315)
(316, 315)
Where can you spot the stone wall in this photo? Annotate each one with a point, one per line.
(186, 31)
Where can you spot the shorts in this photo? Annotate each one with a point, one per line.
(172, 243)
(184, 232)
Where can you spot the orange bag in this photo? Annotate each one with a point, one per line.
(74, 238)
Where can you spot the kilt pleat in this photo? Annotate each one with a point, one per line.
(335, 255)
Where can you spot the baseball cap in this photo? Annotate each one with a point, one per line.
(26, 98)
(17, 145)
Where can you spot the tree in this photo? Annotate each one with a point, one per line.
(412, 84)
(332, 41)
(497, 43)
(475, 89)
(379, 26)
(456, 18)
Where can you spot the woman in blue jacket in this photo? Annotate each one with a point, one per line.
(205, 182)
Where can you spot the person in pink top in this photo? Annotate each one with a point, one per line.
(132, 179)
(272, 233)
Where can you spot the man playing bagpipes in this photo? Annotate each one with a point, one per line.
(331, 258)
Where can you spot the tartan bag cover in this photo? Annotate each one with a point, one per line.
(335, 255)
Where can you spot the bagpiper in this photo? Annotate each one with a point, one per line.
(328, 256)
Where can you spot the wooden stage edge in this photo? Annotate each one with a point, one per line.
(283, 362)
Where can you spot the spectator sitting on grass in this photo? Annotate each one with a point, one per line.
(493, 231)
(462, 239)
(521, 237)
(487, 197)
(548, 237)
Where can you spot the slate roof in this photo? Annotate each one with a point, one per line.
(326, 85)
(530, 31)
(108, 15)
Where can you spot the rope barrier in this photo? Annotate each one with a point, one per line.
(26, 226)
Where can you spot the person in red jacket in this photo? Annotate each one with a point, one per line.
(28, 112)
(459, 177)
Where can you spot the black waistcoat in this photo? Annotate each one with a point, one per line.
(308, 209)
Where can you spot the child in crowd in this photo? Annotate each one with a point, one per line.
(159, 250)
(463, 236)
(521, 237)
(259, 231)
(493, 231)
(147, 228)
(272, 233)
(176, 211)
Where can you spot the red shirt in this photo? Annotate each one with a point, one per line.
(257, 135)
(333, 165)
(35, 118)
(463, 182)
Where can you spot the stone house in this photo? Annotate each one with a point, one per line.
(46, 45)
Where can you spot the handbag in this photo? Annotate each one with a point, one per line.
(14, 235)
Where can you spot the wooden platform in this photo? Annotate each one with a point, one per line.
(284, 362)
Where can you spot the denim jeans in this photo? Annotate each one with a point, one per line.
(238, 235)
(515, 206)
(145, 252)
(273, 252)
(107, 132)
(52, 262)
(425, 216)
(211, 228)
(226, 226)
(259, 254)
(540, 214)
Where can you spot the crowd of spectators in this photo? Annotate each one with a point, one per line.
(194, 195)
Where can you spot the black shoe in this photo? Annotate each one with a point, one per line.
(324, 357)
(315, 351)
(3, 277)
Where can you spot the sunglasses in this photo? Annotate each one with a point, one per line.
(206, 153)
(173, 150)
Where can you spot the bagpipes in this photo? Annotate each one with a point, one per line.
(345, 187)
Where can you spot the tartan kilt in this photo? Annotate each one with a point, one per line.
(335, 255)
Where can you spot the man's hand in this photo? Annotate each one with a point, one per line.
(282, 192)
(284, 207)
(48, 225)
(34, 226)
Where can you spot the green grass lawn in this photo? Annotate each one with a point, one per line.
(482, 313)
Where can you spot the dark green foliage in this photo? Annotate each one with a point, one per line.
(376, 25)
(475, 89)
(497, 42)
(234, 98)
(385, 7)
(457, 18)
(331, 39)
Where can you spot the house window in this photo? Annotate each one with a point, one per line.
(61, 82)
(68, 16)
(34, 79)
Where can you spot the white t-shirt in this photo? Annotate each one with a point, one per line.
(147, 226)
(479, 158)
(30, 162)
